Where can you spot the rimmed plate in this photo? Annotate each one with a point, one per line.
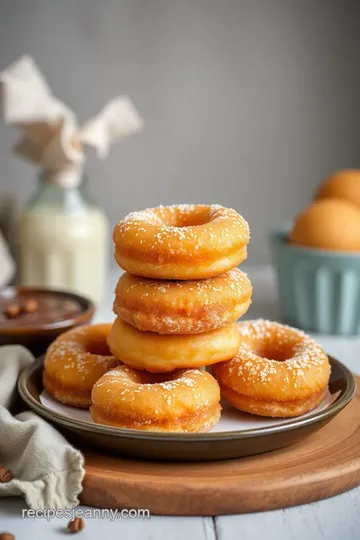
(267, 435)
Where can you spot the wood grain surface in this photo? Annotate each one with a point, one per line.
(321, 465)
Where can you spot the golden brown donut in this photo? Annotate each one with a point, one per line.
(75, 361)
(278, 371)
(183, 401)
(331, 224)
(160, 353)
(185, 241)
(182, 307)
(343, 184)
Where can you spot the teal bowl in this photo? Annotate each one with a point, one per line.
(319, 290)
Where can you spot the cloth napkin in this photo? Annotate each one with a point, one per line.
(47, 470)
(51, 136)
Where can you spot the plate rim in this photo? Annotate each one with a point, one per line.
(100, 429)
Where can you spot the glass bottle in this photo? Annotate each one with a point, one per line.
(64, 237)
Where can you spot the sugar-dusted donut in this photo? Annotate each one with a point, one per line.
(183, 401)
(160, 353)
(182, 307)
(75, 361)
(278, 371)
(181, 242)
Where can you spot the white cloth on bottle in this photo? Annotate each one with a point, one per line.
(51, 136)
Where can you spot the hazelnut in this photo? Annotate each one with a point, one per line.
(5, 475)
(12, 311)
(76, 525)
(30, 305)
(6, 536)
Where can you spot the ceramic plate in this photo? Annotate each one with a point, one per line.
(237, 434)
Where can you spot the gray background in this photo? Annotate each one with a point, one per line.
(247, 103)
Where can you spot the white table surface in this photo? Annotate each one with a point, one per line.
(333, 519)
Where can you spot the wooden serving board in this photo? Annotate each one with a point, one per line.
(323, 464)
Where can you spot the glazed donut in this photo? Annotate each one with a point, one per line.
(184, 401)
(279, 371)
(182, 307)
(75, 361)
(160, 353)
(186, 241)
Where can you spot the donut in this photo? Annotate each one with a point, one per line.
(331, 224)
(182, 307)
(160, 353)
(75, 361)
(183, 401)
(278, 371)
(185, 241)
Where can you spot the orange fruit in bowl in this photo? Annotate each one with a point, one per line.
(343, 185)
(332, 224)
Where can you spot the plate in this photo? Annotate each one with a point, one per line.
(242, 435)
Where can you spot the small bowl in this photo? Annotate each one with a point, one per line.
(36, 331)
(319, 290)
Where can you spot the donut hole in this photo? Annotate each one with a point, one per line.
(194, 218)
(145, 377)
(193, 221)
(275, 352)
(97, 345)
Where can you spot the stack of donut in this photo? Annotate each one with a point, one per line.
(176, 309)
(189, 321)
(176, 305)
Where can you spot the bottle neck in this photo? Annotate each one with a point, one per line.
(65, 192)
(72, 177)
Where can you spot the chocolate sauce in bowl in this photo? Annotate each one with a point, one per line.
(51, 308)
(35, 317)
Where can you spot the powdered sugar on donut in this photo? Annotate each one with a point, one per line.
(185, 401)
(178, 307)
(175, 223)
(275, 356)
(70, 351)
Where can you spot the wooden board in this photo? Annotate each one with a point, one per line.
(322, 465)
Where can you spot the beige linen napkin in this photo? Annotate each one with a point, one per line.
(47, 470)
(51, 135)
